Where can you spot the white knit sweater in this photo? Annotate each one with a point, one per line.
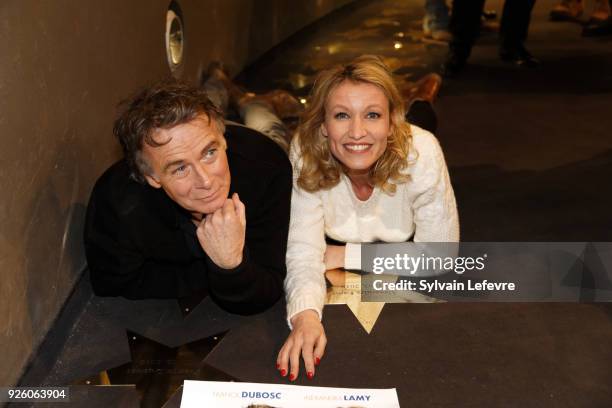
(424, 207)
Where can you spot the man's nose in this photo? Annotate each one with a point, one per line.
(203, 179)
(358, 128)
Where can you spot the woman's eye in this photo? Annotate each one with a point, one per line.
(341, 115)
(373, 115)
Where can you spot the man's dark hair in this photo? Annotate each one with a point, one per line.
(161, 106)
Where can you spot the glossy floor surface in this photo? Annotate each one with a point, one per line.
(530, 157)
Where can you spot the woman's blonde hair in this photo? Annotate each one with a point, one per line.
(320, 169)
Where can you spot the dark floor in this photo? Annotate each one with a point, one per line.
(530, 157)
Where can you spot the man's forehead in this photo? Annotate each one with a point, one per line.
(199, 129)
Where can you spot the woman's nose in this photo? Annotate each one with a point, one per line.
(358, 129)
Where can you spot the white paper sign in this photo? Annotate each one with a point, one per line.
(207, 394)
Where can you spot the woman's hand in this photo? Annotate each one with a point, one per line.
(337, 277)
(334, 257)
(308, 339)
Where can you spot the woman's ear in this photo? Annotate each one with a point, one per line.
(323, 129)
(392, 125)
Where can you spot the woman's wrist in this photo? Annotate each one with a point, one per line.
(304, 315)
(334, 257)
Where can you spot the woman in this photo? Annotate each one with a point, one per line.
(361, 174)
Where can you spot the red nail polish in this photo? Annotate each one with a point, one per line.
(292, 377)
(277, 366)
(309, 375)
(317, 361)
(283, 372)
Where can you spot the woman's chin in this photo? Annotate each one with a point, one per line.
(359, 165)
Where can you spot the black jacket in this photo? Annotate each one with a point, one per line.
(141, 244)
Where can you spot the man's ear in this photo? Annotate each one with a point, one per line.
(153, 181)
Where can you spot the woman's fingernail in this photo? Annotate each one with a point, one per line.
(292, 377)
(309, 375)
(277, 366)
(317, 361)
(283, 372)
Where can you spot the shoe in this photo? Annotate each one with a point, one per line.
(520, 57)
(596, 28)
(453, 65)
(567, 10)
(285, 105)
(282, 102)
(425, 89)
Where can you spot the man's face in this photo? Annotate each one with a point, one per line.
(191, 167)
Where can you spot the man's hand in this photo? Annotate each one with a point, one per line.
(308, 339)
(221, 234)
(334, 257)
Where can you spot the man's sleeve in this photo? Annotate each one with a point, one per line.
(118, 265)
(257, 283)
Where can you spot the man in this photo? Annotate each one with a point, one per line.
(189, 209)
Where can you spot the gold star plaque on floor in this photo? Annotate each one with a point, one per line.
(346, 290)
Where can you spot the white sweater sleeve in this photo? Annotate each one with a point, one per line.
(305, 282)
(435, 209)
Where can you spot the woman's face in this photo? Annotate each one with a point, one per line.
(357, 124)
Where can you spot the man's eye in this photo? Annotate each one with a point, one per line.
(210, 153)
(180, 170)
(373, 115)
(341, 115)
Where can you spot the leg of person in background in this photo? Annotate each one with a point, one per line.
(258, 114)
(436, 20)
(513, 33)
(465, 26)
(263, 113)
(600, 22)
(567, 10)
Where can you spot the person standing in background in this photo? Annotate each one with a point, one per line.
(436, 20)
(465, 27)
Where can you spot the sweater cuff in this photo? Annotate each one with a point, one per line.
(294, 308)
(352, 256)
(232, 271)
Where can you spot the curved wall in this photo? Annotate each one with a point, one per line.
(65, 65)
